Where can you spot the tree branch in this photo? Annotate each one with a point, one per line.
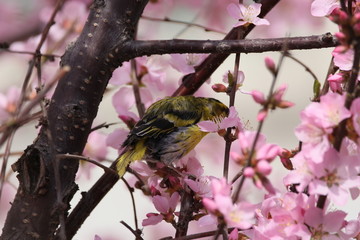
(35, 211)
(192, 82)
(142, 48)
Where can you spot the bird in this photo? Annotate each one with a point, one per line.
(168, 130)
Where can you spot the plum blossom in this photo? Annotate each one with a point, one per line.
(95, 149)
(274, 102)
(8, 103)
(185, 63)
(230, 121)
(343, 59)
(200, 186)
(246, 15)
(327, 224)
(239, 215)
(152, 71)
(321, 8)
(317, 122)
(281, 217)
(335, 81)
(166, 207)
(70, 19)
(264, 153)
(334, 178)
(123, 101)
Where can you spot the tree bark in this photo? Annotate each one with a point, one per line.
(46, 184)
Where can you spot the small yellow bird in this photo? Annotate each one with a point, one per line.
(168, 130)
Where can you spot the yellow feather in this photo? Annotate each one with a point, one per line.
(130, 156)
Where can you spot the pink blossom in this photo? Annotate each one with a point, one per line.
(335, 81)
(269, 104)
(263, 167)
(302, 174)
(246, 15)
(116, 138)
(324, 224)
(201, 186)
(281, 217)
(331, 110)
(220, 187)
(249, 172)
(263, 154)
(333, 177)
(186, 63)
(230, 121)
(122, 75)
(234, 235)
(191, 165)
(8, 103)
(350, 229)
(240, 215)
(277, 98)
(166, 207)
(123, 101)
(70, 19)
(355, 110)
(344, 60)
(229, 77)
(152, 70)
(321, 8)
(263, 150)
(147, 175)
(96, 147)
(318, 121)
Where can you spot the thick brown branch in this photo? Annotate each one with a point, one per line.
(36, 209)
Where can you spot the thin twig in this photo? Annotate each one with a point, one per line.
(261, 123)
(131, 191)
(102, 125)
(166, 19)
(138, 237)
(51, 56)
(87, 159)
(136, 88)
(302, 64)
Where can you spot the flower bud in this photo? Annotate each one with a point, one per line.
(219, 87)
(264, 167)
(249, 172)
(270, 64)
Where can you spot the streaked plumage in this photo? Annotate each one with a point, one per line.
(168, 130)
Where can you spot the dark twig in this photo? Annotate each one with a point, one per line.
(261, 123)
(131, 191)
(166, 19)
(136, 234)
(86, 159)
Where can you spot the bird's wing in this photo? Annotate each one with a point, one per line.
(164, 120)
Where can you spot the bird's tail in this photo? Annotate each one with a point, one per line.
(137, 153)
